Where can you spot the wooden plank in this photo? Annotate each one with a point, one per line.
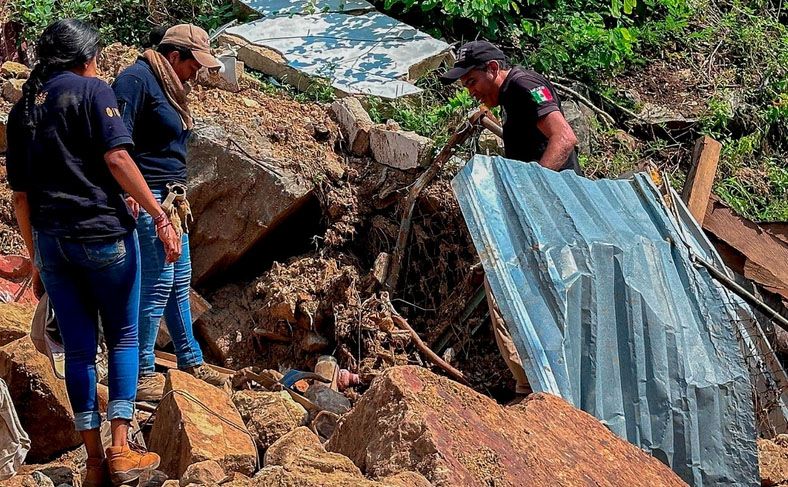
(765, 255)
(198, 305)
(169, 361)
(700, 179)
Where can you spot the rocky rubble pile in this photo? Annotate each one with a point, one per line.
(411, 428)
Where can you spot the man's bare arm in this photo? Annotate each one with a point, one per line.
(561, 140)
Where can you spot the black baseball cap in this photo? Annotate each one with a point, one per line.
(475, 54)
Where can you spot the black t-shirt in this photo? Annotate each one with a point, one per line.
(159, 137)
(526, 96)
(60, 163)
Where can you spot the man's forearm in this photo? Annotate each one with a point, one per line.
(556, 153)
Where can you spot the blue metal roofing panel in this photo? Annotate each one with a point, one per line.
(595, 282)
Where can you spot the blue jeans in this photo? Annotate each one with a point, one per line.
(86, 281)
(165, 291)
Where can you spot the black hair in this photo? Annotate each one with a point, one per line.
(184, 52)
(156, 35)
(63, 45)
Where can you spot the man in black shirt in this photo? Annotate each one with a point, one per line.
(534, 128)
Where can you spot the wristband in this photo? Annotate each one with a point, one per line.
(160, 217)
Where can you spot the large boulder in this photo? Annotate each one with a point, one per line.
(184, 432)
(269, 415)
(40, 399)
(236, 200)
(15, 319)
(298, 459)
(412, 419)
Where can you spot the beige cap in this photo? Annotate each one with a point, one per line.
(196, 40)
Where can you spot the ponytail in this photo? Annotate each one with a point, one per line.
(31, 89)
(63, 45)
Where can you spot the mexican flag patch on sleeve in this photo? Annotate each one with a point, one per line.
(541, 94)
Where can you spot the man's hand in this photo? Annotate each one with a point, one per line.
(561, 140)
(133, 206)
(38, 286)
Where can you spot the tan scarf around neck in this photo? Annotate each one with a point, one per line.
(175, 91)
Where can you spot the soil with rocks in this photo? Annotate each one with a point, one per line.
(11, 241)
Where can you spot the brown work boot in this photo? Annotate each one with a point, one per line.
(207, 374)
(96, 473)
(126, 463)
(150, 387)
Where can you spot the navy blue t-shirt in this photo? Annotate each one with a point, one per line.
(60, 163)
(158, 133)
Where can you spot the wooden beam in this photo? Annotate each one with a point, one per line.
(199, 306)
(700, 179)
(169, 361)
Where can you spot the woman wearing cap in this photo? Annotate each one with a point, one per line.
(68, 166)
(152, 99)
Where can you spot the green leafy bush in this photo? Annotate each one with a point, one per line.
(126, 21)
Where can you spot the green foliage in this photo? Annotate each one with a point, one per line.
(582, 38)
(430, 114)
(36, 15)
(590, 40)
(126, 21)
(489, 17)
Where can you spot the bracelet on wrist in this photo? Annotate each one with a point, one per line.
(160, 217)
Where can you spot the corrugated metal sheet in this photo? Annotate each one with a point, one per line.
(607, 310)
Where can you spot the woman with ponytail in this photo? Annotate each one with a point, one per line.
(68, 166)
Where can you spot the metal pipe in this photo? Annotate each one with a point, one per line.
(750, 298)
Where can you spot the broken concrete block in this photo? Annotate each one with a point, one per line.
(229, 80)
(402, 150)
(11, 69)
(41, 399)
(238, 200)
(15, 319)
(269, 415)
(354, 122)
(298, 459)
(203, 473)
(411, 419)
(185, 433)
(266, 61)
(490, 144)
(12, 89)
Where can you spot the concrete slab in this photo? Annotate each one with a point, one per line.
(270, 8)
(370, 54)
